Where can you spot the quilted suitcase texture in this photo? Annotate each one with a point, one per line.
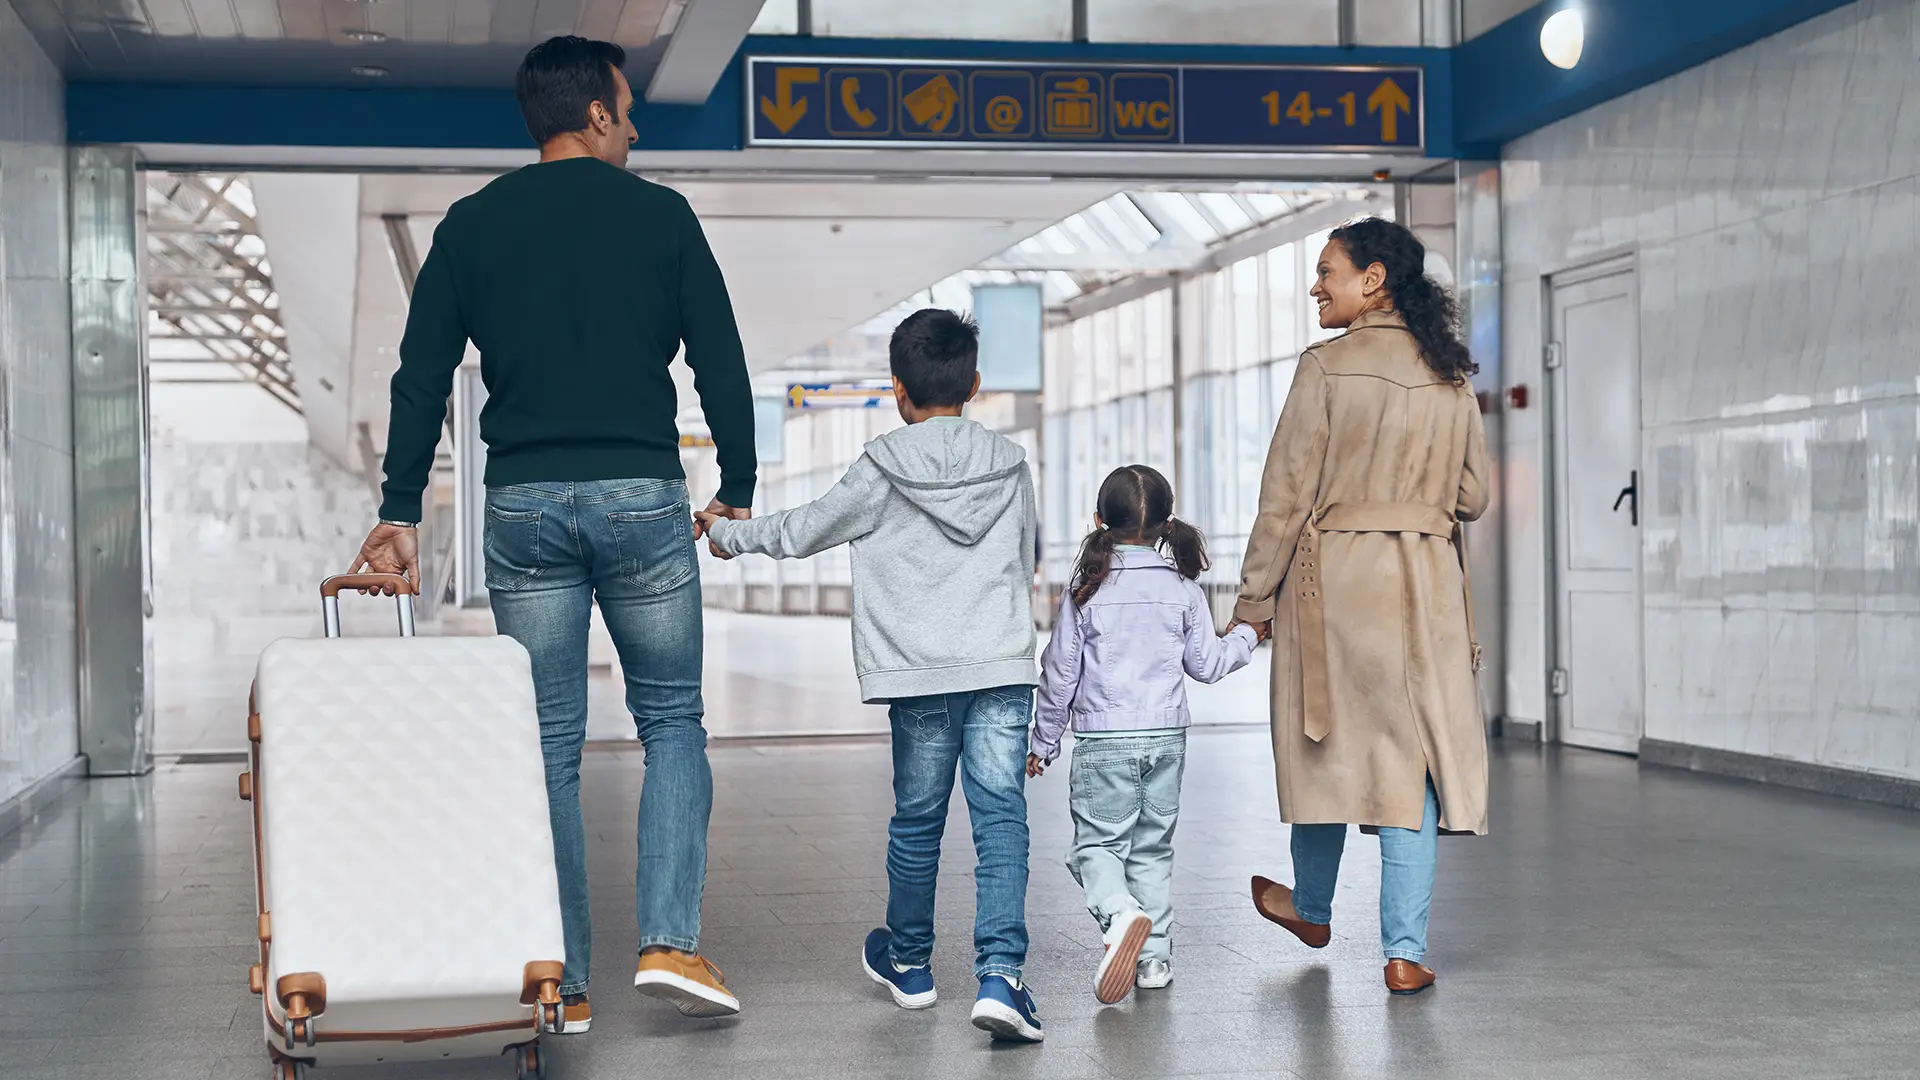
(409, 904)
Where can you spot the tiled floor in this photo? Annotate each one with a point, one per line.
(1619, 923)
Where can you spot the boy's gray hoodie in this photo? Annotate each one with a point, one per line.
(941, 519)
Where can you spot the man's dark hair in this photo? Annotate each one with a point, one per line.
(561, 77)
(935, 354)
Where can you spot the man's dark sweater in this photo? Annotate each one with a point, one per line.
(578, 282)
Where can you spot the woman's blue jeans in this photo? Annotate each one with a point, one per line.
(552, 550)
(1407, 859)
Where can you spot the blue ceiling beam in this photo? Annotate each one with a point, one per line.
(1480, 94)
(1504, 88)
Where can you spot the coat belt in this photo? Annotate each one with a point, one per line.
(1380, 517)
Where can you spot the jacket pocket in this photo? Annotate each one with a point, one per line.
(655, 546)
(1104, 787)
(511, 544)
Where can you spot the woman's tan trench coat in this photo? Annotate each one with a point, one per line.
(1353, 556)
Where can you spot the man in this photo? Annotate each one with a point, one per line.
(578, 282)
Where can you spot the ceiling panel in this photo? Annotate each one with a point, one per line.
(451, 43)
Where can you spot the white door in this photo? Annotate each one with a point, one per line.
(1595, 358)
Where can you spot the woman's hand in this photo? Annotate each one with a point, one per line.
(1261, 630)
(1035, 766)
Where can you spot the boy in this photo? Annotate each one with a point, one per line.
(941, 519)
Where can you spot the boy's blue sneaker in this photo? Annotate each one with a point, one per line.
(912, 988)
(1006, 1011)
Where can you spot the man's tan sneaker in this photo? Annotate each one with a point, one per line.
(687, 981)
(576, 1016)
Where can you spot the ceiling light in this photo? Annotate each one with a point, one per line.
(366, 37)
(369, 71)
(1562, 36)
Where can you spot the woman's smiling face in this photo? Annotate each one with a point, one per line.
(1343, 290)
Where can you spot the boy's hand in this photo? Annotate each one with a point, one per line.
(703, 526)
(1035, 766)
(703, 519)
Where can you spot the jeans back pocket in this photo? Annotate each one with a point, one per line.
(1105, 786)
(511, 543)
(655, 546)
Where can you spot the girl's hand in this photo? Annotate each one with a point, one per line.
(1035, 766)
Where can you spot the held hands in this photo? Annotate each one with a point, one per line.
(389, 549)
(716, 510)
(1035, 766)
(1261, 630)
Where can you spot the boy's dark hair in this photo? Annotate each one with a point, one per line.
(935, 355)
(559, 78)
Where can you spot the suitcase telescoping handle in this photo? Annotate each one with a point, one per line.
(403, 590)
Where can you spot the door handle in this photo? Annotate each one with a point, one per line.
(1631, 496)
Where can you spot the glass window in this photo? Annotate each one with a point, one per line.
(1221, 454)
(1223, 209)
(1128, 359)
(1159, 427)
(1282, 302)
(1251, 431)
(1246, 316)
(1193, 310)
(1134, 437)
(1106, 442)
(1080, 379)
(1055, 471)
(1054, 390)
(1279, 381)
(1216, 335)
(1175, 206)
(1156, 332)
(778, 17)
(1106, 346)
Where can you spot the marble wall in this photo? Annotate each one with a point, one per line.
(38, 678)
(1771, 199)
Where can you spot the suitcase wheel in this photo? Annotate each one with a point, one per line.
(531, 1062)
(289, 1069)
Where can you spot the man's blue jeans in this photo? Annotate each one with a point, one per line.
(1407, 863)
(552, 550)
(984, 733)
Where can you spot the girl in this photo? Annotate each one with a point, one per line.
(1131, 623)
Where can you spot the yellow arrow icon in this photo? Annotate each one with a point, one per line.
(781, 109)
(1389, 101)
(796, 396)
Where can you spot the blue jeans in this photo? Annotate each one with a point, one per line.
(552, 550)
(1407, 859)
(984, 733)
(1124, 794)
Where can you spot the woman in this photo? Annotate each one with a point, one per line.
(1355, 558)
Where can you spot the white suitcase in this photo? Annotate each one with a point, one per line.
(409, 908)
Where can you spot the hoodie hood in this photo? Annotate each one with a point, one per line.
(958, 473)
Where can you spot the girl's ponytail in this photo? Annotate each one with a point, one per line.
(1187, 546)
(1096, 561)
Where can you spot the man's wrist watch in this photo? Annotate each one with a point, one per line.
(400, 524)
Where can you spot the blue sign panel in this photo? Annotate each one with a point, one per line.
(815, 102)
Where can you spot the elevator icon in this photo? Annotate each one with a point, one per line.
(1072, 104)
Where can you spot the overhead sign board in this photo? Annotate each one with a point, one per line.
(819, 102)
(866, 395)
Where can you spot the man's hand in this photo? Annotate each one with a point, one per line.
(717, 509)
(1035, 766)
(703, 526)
(389, 549)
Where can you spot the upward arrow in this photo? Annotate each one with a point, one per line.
(781, 109)
(1389, 101)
